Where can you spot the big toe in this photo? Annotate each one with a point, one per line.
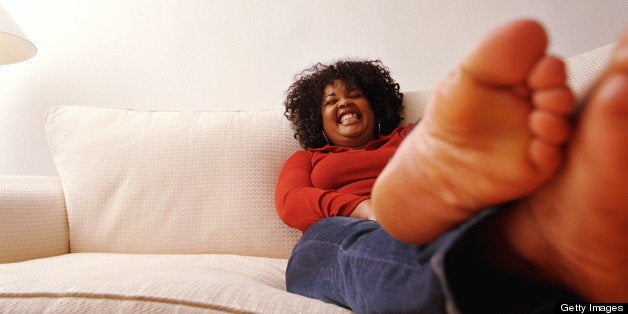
(605, 124)
(605, 115)
(507, 54)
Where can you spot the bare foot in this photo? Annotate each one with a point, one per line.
(492, 133)
(574, 230)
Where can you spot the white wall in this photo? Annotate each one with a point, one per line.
(232, 54)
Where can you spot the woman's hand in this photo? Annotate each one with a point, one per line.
(363, 211)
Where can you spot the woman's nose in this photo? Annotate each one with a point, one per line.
(344, 102)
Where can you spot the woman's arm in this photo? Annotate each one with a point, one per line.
(299, 204)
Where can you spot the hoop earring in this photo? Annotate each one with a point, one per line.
(325, 136)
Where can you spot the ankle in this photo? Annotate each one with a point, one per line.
(511, 243)
(501, 268)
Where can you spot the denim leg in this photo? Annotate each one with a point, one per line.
(354, 263)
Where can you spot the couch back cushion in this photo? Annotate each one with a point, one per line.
(171, 182)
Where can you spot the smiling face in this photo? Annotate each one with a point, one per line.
(348, 119)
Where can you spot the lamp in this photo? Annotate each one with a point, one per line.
(14, 46)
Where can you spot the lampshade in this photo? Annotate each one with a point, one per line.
(14, 46)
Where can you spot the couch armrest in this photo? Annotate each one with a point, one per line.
(33, 218)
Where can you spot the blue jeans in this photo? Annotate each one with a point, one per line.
(355, 264)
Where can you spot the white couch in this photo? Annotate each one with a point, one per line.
(162, 211)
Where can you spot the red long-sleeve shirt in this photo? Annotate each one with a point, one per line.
(332, 180)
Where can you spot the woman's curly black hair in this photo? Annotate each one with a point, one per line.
(304, 97)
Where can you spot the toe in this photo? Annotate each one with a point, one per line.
(549, 127)
(506, 56)
(612, 96)
(605, 120)
(548, 72)
(546, 156)
(620, 58)
(559, 100)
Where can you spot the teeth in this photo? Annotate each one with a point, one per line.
(348, 116)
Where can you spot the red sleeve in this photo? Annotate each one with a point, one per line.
(299, 204)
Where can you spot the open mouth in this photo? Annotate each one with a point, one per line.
(349, 118)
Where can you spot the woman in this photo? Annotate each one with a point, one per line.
(360, 103)
(346, 115)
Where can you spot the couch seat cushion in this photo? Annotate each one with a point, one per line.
(150, 283)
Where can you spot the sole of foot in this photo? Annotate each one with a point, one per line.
(494, 131)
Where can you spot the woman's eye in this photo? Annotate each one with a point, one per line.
(331, 101)
(357, 95)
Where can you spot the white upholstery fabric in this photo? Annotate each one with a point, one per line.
(128, 283)
(172, 182)
(414, 103)
(33, 219)
(584, 69)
